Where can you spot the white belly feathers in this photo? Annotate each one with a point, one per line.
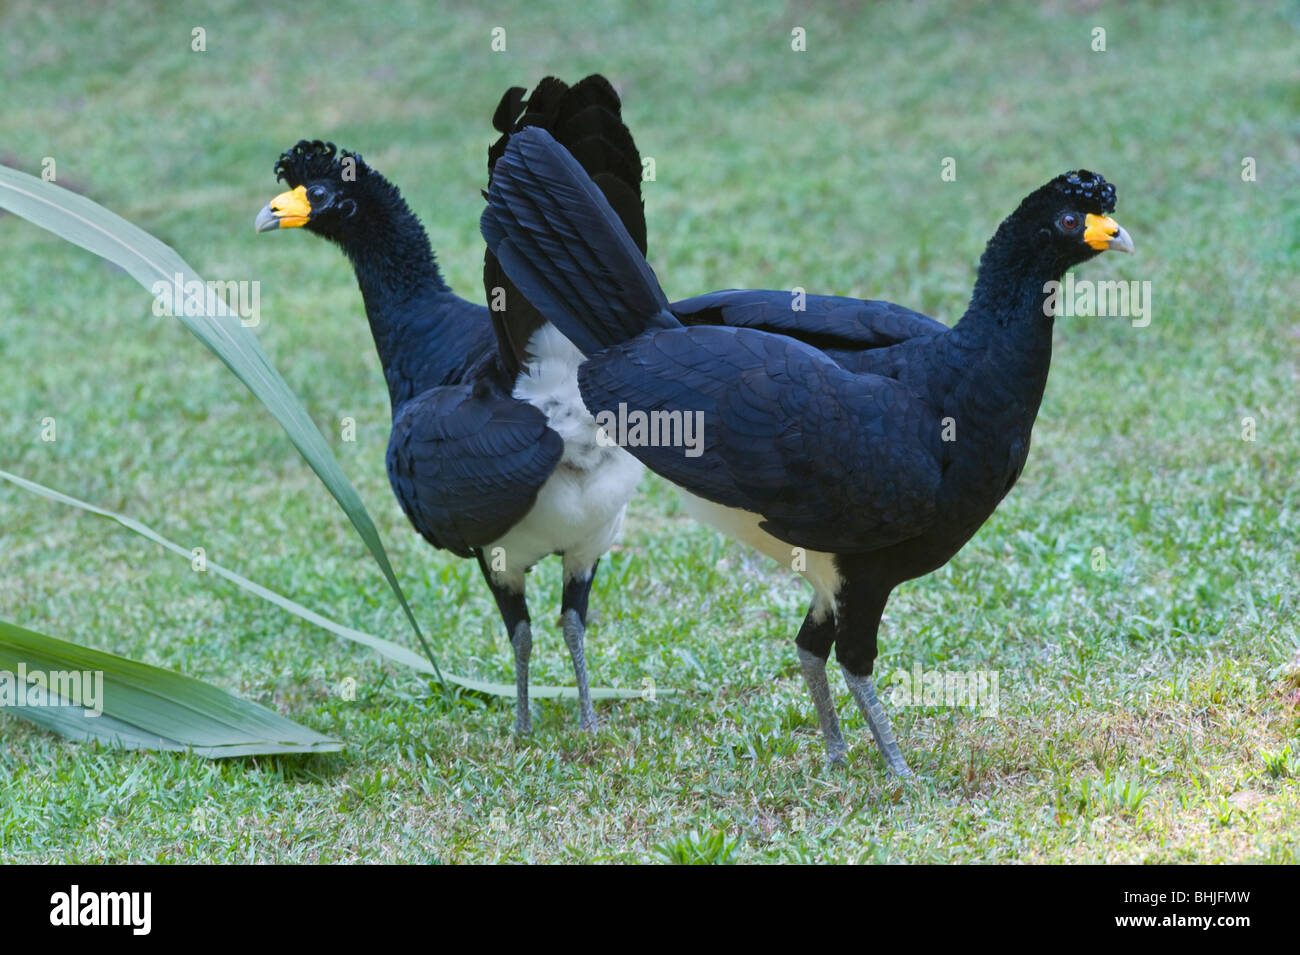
(579, 510)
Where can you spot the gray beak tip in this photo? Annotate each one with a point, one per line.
(268, 220)
(1122, 242)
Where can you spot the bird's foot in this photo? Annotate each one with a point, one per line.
(835, 755)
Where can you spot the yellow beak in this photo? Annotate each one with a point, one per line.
(1104, 233)
(288, 210)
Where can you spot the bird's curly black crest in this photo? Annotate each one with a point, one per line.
(314, 159)
(1088, 185)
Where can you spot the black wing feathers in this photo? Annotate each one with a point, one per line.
(595, 283)
(823, 321)
(790, 432)
(787, 433)
(466, 463)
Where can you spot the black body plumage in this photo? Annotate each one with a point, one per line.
(861, 430)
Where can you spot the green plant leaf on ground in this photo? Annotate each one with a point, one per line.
(140, 706)
(393, 651)
(87, 224)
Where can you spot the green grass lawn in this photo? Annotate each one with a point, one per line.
(1147, 709)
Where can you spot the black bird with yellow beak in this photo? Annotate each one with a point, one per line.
(859, 444)
(491, 454)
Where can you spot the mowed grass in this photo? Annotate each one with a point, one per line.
(1135, 594)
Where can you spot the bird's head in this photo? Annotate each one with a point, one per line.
(329, 190)
(1065, 222)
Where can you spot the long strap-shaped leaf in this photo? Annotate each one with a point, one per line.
(89, 225)
(139, 706)
(393, 651)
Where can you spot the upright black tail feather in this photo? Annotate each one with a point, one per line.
(503, 120)
(586, 120)
(565, 248)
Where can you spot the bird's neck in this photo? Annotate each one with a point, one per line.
(414, 316)
(1005, 322)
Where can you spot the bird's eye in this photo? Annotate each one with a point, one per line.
(316, 193)
(1069, 222)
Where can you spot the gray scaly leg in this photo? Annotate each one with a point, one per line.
(814, 674)
(573, 619)
(522, 641)
(863, 689)
(574, 632)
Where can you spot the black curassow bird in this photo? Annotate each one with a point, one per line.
(492, 454)
(823, 430)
